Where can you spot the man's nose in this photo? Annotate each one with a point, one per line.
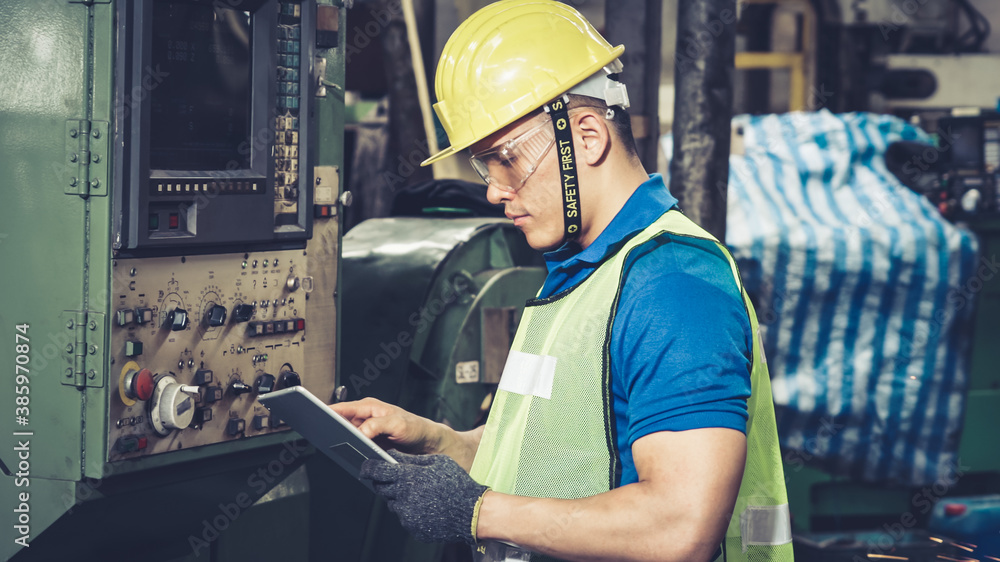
(495, 195)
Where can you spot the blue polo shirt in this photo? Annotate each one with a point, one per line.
(681, 340)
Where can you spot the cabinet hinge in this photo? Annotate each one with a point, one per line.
(86, 161)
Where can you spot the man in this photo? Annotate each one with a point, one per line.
(636, 392)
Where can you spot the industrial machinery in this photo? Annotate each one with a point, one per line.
(170, 240)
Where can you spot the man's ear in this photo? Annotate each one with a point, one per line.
(594, 140)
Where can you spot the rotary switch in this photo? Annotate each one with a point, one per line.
(215, 316)
(264, 383)
(243, 312)
(172, 405)
(177, 319)
(289, 379)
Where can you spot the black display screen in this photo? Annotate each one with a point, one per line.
(200, 112)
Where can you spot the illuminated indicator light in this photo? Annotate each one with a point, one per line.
(174, 221)
(265, 263)
(187, 187)
(170, 187)
(244, 264)
(300, 324)
(255, 187)
(159, 187)
(954, 510)
(204, 187)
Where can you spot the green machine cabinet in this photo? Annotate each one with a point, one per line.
(169, 230)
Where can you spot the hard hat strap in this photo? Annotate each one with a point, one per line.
(558, 110)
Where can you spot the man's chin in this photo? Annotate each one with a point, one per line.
(542, 243)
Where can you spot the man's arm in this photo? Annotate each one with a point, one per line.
(678, 510)
(394, 427)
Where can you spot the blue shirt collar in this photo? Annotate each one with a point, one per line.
(650, 200)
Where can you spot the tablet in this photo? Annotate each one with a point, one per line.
(327, 430)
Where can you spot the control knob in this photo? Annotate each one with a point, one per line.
(177, 319)
(243, 312)
(215, 316)
(172, 405)
(289, 379)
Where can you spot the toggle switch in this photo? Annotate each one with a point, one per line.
(239, 388)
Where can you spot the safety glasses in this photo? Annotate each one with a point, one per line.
(508, 165)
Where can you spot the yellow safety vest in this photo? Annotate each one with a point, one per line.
(550, 431)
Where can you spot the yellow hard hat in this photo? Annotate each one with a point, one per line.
(509, 59)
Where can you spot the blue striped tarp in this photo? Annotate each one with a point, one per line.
(863, 291)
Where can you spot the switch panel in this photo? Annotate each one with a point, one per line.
(205, 344)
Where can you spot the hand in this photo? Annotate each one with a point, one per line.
(392, 426)
(433, 496)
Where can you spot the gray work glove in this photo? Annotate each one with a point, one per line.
(433, 496)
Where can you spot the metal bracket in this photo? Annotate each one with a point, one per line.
(83, 354)
(87, 145)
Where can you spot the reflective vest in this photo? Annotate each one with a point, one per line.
(551, 430)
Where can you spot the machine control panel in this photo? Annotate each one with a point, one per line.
(196, 339)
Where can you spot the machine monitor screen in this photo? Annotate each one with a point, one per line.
(967, 150)
(200, 114)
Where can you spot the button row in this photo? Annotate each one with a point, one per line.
(276, 327)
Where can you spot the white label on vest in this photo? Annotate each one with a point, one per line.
(765, 525)
(528, 374)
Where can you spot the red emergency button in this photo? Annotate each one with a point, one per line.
(174, 221)
(141, 444)
(954, 509)
(300, 324)
(139, 385)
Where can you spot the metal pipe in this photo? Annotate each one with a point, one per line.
(703, 108)
(639, 25)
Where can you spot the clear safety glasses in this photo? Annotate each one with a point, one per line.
(507, 166)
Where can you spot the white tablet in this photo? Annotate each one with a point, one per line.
(327, 430)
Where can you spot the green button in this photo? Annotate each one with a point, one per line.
(154, 221)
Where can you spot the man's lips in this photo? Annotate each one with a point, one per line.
(518, 219)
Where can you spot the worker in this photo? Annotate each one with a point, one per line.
(634, 418)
